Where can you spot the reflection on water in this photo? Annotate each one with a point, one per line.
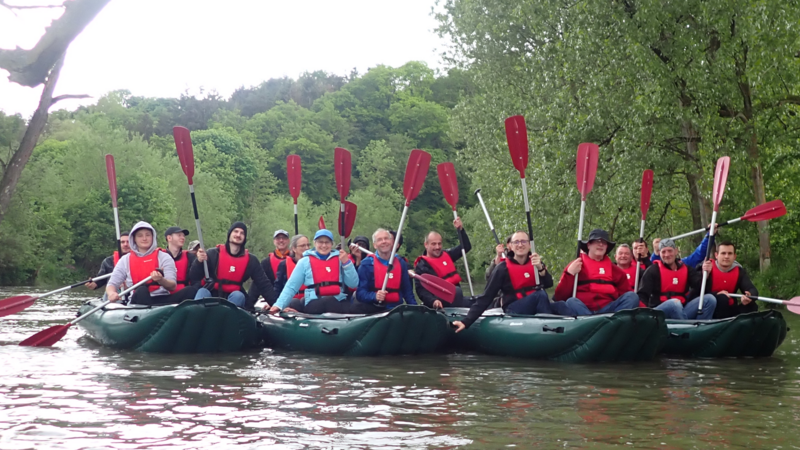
(80, 395)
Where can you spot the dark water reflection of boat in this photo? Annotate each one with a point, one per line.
(79, 395)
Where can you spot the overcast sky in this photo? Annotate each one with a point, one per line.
(161, 48)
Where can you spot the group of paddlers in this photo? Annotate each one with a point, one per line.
(315, 277)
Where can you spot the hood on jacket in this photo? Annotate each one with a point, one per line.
(134, 247)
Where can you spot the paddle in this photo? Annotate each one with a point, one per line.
(585, 170)
(793, 304)
(342, 169)
(13, 305)
(644, 205)
(720, 178)
(486, 213)
(50, 336)
(294, 176)
(350, 210)
(440, 288)
(111, 171)
(183, 143)
(517, 137)
(767, 211)
(416, 170)
(321, 223)
(449, 183)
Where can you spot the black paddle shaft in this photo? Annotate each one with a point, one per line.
(296, 232)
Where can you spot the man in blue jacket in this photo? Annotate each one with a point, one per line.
(370, 297)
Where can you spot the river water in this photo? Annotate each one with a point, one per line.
(79, 395)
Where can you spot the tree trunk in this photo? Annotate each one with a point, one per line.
(35, 127)
(757, 176)
(698, 206)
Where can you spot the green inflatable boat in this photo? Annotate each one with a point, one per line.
(629, 335)
(404, 330)
(209, 325)
(755, 334)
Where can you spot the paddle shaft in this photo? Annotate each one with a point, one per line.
(199, 230)
(580, 234)
(635, 261)
(341, 223)
(708, 255)
(394, 247)
(705, 230)
(104, 304)
(296, 230)
(530, 226)
(464, 256)
(80, 283)
(488, 219)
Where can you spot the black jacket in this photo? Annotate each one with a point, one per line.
(423, 267)
(253, 272)
(106, 267)
(500, 281)
(650, 286)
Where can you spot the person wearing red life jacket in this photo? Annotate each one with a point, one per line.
(668, 285)
(623, 258)
(146, 259)
(297, 246)
(370, 297)
(514, 279)
(326, 273)
(441, 262)
(230, 266)
(725, 277)
(108, 264)
(602, 286)
(176, 237)
(280, 239)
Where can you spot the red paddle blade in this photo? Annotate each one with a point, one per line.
(517, 137)
(183, 143)
(647, 191)
(586, 167)
(417, 168)
(294, 175)
(350, 210)
(321, 223)
(720, 178)
(449, 183)
(13, 305)
(342, 169)
(47, 337)
(440, 288)
(111, 171)
(769, 210)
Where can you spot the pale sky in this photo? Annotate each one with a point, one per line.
(160, 48)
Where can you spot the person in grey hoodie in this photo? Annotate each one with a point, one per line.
(145, 259)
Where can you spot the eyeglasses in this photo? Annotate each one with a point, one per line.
(302, 246)
(520, 242)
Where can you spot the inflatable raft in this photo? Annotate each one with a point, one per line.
(404, 330)
(629, 335)
(755, 334)
(209, 325)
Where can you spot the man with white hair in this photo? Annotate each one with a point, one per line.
(370, 296)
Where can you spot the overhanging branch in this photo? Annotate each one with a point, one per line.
(68, 96)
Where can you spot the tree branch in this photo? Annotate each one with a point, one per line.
(31, 67)
(68, 96)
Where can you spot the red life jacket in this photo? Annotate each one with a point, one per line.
(230, 270)
(142, 266)
(597, 276)
(116, 258)
(326, 276)
(522, 278)
(674, 283)
(444, 267)
(630, 272)
(290, 265)
(395, 277)
(274, 260)
(182, 265)
(724, 281)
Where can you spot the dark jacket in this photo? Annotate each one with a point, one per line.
(650, 286)
(500, 282)
(106, 267)
(253, 272)
(254, 291)
(423, 267)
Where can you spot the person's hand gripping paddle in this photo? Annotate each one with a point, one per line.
(720, 178)
(585, 171)
(50, 336)
(294, 175)
(342, 169)
(183, 144)
(416, 170)
(449, 183)
(767, 211)
(517, 137)
(644, 205)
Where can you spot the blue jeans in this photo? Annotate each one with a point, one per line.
(628, 300)
(237, 298)
(538, 303)
(673, 309)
